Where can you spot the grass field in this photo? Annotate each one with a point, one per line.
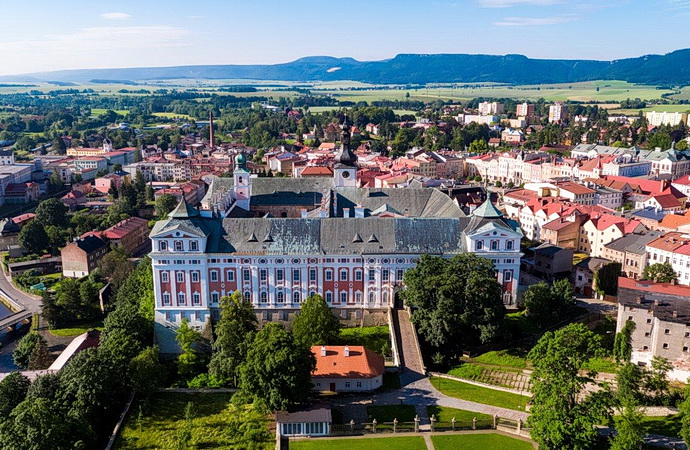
(95, 112)
(373, 338)
(664, 425)
(163, 419)
(507, 358)
(397, 443)
(466, 391)
(170, 115)
(479, 441)
(445, 414)
(76, 331)
(388, 413)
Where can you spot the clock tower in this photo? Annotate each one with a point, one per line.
(345, 170)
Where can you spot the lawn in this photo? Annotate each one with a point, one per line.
(598, 364)
(95, 112)
(488, 441)
(509, 358)
(663, 425)
(397, 443)
(77, 330)
(388, 413)
(373, 338)
(445, 414)
(170, 115)
(163, 419)
(470, 392)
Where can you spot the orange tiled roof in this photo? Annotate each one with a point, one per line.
(361, 363)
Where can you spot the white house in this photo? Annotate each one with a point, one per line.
(347, 369)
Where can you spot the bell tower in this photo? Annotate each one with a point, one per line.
(345, 170)
(242, 182)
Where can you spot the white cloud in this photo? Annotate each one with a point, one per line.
(116, 16)
(533, 21)
(508, 3)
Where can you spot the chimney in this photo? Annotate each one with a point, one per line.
(346, 351)
(675, 314)
(359, 211)
(323, 350)
(303, 213)
(638, 300)
(346, 212)
(656, 302)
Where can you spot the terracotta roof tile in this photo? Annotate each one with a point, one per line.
(361, 362)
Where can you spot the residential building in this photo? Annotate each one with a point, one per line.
(558, 112)
(585, 272)
(673, 248)
(550, 261)
(608, 197)
(346, 369)
(6, 158)
(601, 229)
(129, 235)
(490, 108)
(564, 231)
(81, 257)
(525, 110)
(313, 422)
(658, 118)
(661, 313)
(630, 251)
(22, 193)
(577, 193)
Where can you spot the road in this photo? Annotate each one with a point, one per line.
(31, 303)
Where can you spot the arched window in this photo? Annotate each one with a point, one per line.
(264, 297)
(180, 298)
(178, 246)
(329, 297)
(385, 297)
(372, 298)
(343, 274)
(166, 298)
(509, 245)
(247, 296)
(295, 297)
(194, 246)
(163, 246)
(280, 297)
(494, 245)
(196, 298)
(479, 245)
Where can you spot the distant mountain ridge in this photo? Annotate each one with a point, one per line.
(669, 69)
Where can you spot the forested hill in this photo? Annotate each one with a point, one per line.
(670, 69)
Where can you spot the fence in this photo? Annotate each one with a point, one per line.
(374, 427)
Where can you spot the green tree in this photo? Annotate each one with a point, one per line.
(316, 324)
(277, 369)
(684, 409)
(125, 333)
(234, 335)
(45, 386)
(479, 146)
(629, 421)
(145, 370)
(622, 345)
(24, 348)
(137, 288)
(52, 212)
(13, 389)
(558, 419)
(40, 357)
(188, 359)
(247, 426)
(58, 146)
(165, 204)
(55, 183)
(656, 379)
(660, 272)
(117, 267)
(33, 237)
(40, 424)
(547, 305)
(456, 302)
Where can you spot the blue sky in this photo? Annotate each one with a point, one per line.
(43, 35)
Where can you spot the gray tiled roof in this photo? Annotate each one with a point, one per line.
(412, 202)
(633, 243)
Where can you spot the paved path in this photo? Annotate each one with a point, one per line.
(31, 303)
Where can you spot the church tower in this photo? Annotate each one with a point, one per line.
(345, 170)
(241, 188)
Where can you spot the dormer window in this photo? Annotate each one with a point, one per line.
(509, 245)
(163, 246)
(178, 246)
(194, 246)
(479, 245)
(494, 245)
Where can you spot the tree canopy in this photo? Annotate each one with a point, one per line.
(660, 272)
(315, 324)
(164, 204)
(33, 237)
(277, 369)
(558, 418)
(234, 334)
(456, 302)
(549, 305)
(52, 212)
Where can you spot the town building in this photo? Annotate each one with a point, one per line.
(325, 236)
(558, 112)
(658, 118)
(630, 251)
(551, 261)
(81, 257)
(347, 369)
(129, 235)
(525, 110)
(661, 314)
(490, 108)
(601, 229)
(313, 422)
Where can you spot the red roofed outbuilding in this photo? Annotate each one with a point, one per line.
(347, 369)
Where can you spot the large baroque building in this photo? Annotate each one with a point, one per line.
(279, 241)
